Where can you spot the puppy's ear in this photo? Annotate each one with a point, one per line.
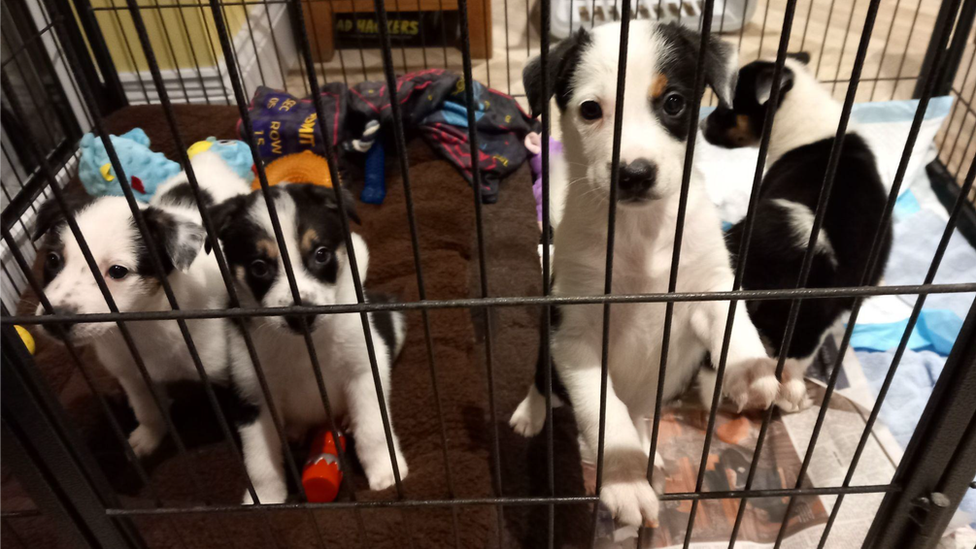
(800, 56)
(177, 240)
(721, 69)
(50, 214)
(326, 196)
(223, 213)
(764, 83)
(562, 61)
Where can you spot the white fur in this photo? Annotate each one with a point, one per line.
(111, 236)
(801, 223)
(641, 264)
(339, 342)
(806, 114)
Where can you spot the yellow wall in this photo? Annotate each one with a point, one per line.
(186, 29)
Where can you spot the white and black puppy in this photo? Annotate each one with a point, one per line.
(659, 92)
(122, 256)
(802, 136)
(317, 252)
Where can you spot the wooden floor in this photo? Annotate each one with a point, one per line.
(829, 30)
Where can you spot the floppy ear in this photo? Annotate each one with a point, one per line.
(223, 213)
(800, 56)
(327, 197)
(50, 214)
(177, 240)
(562, 63)
(721, 69)
(764, 83)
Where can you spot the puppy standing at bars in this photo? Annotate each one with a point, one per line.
(659, 92)
(803, 133)
(317, 252)
(122, 255)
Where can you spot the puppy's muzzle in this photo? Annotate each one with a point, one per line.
(636, 181)
(295, 322)
(61, 330)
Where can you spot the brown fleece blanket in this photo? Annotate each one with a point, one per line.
(211, 473)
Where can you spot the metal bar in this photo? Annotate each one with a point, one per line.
(465, 303)
(843, 48)
(115, 97)
(404, 162)
(128, 50)
(618, 124)
(38, 36)
(506, 501)
(193, 51)
(952, 114)
(482, 263)
(546, 320)
(823, 39)
(884, 51)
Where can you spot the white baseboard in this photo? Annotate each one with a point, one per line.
(265, 53)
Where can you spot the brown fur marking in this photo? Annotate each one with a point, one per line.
(658, 85)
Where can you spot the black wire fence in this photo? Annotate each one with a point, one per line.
(66, 66)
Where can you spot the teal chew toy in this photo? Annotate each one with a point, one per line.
(145, 169)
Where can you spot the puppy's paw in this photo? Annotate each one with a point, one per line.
(145, 439)
(793, 396)
(752, 383)
(380, 471)
(528, 418)
(268, 494)
(632, 503)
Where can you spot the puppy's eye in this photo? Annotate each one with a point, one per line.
(591, 110)
(52, 261)
(322, 255)
(260, 268)
(674, 104)
(117, 272)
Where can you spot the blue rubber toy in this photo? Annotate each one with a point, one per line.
(145, 169)
(237, 154)
(374, 189)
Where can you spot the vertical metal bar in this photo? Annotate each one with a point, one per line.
(401, 146)
(171, 51)
(114, 90)
(482, 264)
(964, 25)
(823, 39)
(843, 48)
(213, 52)
(128, 49)
(193, 51)
(546, 343)
(274, 44)
(618, 122)
(904, 53)
(884, 51)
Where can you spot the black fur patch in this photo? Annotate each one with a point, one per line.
(854, 211)
(50, 215)
(563, 59)
(182, 195)
(742, 124)
(558, 389)
(384, 321)
(177, 242)
(679, 66)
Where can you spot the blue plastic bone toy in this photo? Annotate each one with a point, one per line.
(237, 154)
(145, 169)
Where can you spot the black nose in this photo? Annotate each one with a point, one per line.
(295, 322)
(636, 179)
(61, 330)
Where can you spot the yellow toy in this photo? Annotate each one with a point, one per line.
(303, 167)
(27, 338)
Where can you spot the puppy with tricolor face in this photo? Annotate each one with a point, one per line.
(316, 249)
(122, 255)
(803, 135)
(658, 99)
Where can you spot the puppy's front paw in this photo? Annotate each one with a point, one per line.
(380, 472)
(528, 418)
(632, 503)
(793, 396)
(752, 383)
(145, 439)
(268, 493)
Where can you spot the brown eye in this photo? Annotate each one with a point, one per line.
(53, 261)
(591, 110)
(322, 255)
(674, 104)
(117, 272)
(260, 268)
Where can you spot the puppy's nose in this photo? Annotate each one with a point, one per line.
(295, 322)
(61, 330)
(636, 178)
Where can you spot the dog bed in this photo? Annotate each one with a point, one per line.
(445, 216)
